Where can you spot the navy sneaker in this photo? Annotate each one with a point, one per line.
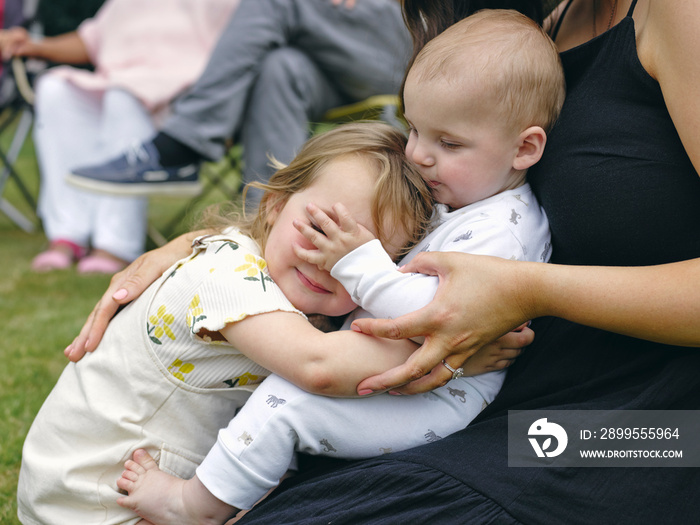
(138, 172)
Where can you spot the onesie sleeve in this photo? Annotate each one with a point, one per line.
(375, 283)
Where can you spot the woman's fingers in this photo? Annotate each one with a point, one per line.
(76, 350)
(125, 286)
(122, 288)
(405, 327)
(439, 376)
(422, 372)
(429, 263)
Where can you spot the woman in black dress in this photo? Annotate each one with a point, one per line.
(619, 181)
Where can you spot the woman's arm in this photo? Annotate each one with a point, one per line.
(669, 49)
(481, 298)
(67, 48)
(126, 286)
(329, 364)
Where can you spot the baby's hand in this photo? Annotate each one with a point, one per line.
(333, 240)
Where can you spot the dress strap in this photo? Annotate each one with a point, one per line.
(555, 31)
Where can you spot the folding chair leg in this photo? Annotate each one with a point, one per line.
(157, 237)
(10, 173)
(213, 180)
(16, 216)
(23, 127)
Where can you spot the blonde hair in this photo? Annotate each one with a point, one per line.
(509, 56)
(400, 193)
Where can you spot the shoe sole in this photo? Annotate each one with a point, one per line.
(176, 189)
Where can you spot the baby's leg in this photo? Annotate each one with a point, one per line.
(163, 499)
(279, 418)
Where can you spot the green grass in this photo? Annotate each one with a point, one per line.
(42, 313)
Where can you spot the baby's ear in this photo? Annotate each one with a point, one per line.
(530, 147)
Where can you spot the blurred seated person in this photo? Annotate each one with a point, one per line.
(278, 65)
(144, 54)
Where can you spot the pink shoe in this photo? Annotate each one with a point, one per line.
(57, 257)
(99, 264)
(51, 260)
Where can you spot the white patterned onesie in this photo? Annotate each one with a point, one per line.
(153, 383)
(255, 450)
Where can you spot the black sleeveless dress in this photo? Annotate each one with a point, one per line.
(619, 189)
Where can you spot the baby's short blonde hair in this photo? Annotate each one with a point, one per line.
(401, 205)
(512, 60)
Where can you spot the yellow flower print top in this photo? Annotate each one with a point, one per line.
(158, 325)
(223, 281)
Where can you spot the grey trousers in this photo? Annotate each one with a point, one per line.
(282, 63)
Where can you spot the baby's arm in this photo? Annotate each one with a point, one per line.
(359, 261)
(368, 273)
(366, 270)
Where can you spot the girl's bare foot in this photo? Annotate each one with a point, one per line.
(163, 499)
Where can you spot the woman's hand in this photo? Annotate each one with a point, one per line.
(479, 299)
(15, 41)
(126, 286)
(67, 48)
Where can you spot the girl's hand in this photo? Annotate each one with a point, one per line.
(126, 286)
(479, 299)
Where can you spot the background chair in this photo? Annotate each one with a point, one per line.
(16, 117)
(378, 107)
(48, 17)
